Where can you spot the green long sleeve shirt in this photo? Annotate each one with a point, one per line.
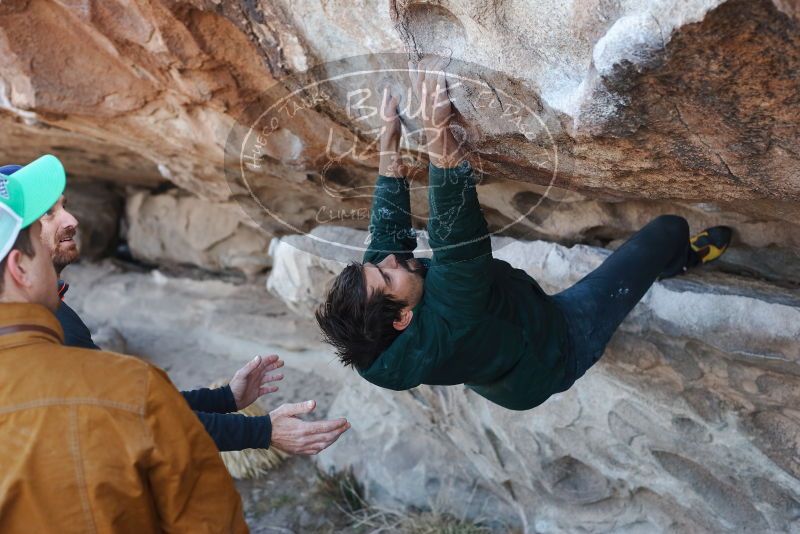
(480, 322)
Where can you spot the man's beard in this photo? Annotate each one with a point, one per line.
(414, 266)
(62, 258)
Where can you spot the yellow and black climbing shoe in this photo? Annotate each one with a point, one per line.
(711, 243)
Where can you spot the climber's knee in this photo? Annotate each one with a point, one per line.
(675, 226)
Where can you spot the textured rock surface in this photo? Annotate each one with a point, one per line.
(178, 229)
(677, 429)
(681, 106)
(694, 101)
(667, 433)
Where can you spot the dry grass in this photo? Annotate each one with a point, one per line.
(379, 521)
(348, 496)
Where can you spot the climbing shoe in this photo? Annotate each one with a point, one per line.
(710, 244)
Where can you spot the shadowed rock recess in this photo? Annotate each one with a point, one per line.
(681, 106)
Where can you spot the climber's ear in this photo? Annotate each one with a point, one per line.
(402, 322)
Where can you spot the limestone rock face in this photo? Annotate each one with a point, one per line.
(691, 101)
(637, 109)
(685, 425)
(303, 267)
(178, 229)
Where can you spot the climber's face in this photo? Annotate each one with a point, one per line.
(400, 279)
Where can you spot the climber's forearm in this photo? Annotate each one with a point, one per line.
(389, 164)
(457, 229)
(390, 220)
(389, 142)
(443, 150)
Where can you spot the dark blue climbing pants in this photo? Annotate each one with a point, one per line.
(597, 304)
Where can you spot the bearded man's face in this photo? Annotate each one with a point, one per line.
(59, 228)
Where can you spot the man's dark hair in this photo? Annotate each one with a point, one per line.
(24, 244)
(359, 326)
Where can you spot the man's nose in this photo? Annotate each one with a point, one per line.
(70, 220)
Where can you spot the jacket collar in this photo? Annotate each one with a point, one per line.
(21, 323)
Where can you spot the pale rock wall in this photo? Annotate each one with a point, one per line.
(690, 101)
(177, 229)
(668, 106)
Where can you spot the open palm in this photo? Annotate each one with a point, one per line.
(252, 381)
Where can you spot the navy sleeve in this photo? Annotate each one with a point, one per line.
(76, 333)
(218, 400)
(236, 432)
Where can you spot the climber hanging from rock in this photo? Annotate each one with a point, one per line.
(463, 317)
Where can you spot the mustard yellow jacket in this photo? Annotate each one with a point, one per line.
(93, 441)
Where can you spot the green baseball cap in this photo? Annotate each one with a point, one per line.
(34, 188)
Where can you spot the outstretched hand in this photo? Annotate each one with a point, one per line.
(252, 381)
(295, 436)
